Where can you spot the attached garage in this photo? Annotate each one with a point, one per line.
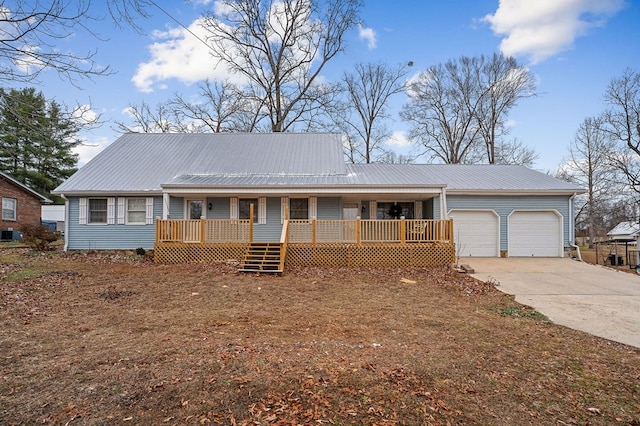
(535, 233)
(476, 232)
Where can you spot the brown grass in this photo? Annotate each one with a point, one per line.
(89, 339)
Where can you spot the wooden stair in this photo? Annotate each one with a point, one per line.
(262, 257)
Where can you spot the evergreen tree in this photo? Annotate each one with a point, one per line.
(37, 138)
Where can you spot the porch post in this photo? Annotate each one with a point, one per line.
(443, 203)
(358, 230)
(166, 200)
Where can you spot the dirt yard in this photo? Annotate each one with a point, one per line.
(92, 339)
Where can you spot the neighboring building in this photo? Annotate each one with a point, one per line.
(139, 182)
(624, 232)
(20, 206)
(53, 217)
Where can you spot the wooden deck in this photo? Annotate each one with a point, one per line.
(410, 242)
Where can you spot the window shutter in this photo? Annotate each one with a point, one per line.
(149, 218)
(313, 207)
(262, 210)
(373, 207)
(417, 210)
(284, 203)
(82, 211)
(111, 210)
(121, 206)
(233, 208)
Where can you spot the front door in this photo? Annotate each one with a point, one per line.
(194, 212)
(350, 213)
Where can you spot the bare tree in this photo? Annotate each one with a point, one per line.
(32, 30)
(146, 119)
(622, 123)
(457, 110)
(368, 90)
(221, 107)
(281, 47)
(441, 112)
(513, 152)
(588, 166)
(502, 83)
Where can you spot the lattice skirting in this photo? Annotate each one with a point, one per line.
(184, 252)
(428, 254)
(418, 254)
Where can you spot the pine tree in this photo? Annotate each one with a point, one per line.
(37, 138)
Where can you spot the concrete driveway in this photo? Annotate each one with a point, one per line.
(595, 299)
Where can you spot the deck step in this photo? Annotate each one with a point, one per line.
(262, 257)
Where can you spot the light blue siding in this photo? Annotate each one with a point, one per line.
(505, 205)
(329, 208)
(109, 237)
(176, 208)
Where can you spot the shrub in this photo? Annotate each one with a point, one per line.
(38, 237)
(140, 251)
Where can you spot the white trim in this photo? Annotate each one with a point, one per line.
(111, 210)
(313, 207)
(121, 209)
(83, 206)
(262, 210)
(233, 208)
(166, 205)
(14, 209)
(149, 211)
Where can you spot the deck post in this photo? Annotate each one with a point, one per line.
(202, 228)
(251, 223)
(313, 230)
(358, 230)
(403, 231)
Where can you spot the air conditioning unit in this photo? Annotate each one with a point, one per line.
(10, 235)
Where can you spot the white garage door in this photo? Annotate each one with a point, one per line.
(535, 233)
(476, 232)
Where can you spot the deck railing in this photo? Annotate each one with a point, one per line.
(211, 231)
(218, 231)
(370, 231)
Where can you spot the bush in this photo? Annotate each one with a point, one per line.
(38, 237)
(140, 251)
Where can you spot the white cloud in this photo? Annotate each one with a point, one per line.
(542, 28)
(398, 139)
(179, 54)
(89, 148)
(369, 35)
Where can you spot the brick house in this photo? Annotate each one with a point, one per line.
(21, 205)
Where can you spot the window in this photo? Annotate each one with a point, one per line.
(97, 210)
(394, 210)
(299, 208)
(136, 210)
(9, 208)
(244, 206)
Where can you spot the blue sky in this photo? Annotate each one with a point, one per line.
(574, 48)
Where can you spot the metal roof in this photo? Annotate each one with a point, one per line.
(150, 162)
(462, 177)
(139, 162)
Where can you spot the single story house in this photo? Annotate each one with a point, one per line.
(20, 206)
(627, 231)
(211, 196)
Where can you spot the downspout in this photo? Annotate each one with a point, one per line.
(572, 229)
(66, 223)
